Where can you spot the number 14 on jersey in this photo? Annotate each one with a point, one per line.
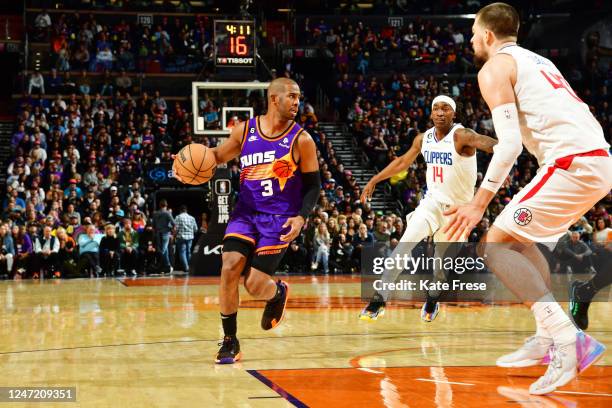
(438, 174)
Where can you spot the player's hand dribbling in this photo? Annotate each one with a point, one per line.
(368, 190)
(174, 172)
(296, 223)
(463, 219)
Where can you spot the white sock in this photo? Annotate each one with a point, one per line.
(554, 320)
(542, 335)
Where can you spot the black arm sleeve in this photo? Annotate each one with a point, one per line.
(311, 187)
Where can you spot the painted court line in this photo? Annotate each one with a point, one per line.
(369, 370)
(584, 393)
(443, 382)
(276, 388)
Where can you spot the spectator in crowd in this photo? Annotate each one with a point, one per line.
(295, 259)
(89, 251)
(186, 229)
(340, 253)
(23, 251)
(104, 60)
(7, 252)
(109, 251)
(160, 102)
(602, 243)
(123, 83)
(55, 82)
(66, 257)
(139, 221)
(128, 240)
(46, 249)
(322, 243)
(42, 25)
(83, 85)
(36, 85)
(362, 239)
(148, 252)
(574, 254)
(382, 234)
(81, 58)
(602, 238)
(584, 228)
(163, 224)
(63, 58)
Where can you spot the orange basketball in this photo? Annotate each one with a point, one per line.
(282, 168)
(194, 164)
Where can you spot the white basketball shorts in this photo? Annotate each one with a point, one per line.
(557, 197)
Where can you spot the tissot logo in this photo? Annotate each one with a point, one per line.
(239, 61)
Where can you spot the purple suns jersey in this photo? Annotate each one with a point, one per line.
(270, 180)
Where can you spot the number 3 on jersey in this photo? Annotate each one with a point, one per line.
(438, 174)
(267, 185)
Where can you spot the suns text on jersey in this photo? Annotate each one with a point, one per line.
(257, 158)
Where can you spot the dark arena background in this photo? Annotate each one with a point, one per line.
(105, 302)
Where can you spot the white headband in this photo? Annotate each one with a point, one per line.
(445, 99)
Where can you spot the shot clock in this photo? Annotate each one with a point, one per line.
(234, 43)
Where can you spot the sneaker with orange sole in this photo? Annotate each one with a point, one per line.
(275, 309)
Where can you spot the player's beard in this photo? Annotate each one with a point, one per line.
(480, 60)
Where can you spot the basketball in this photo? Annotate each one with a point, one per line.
(282, 168)
(194, 164)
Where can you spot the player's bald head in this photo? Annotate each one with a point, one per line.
(279, 86)
(284, 97)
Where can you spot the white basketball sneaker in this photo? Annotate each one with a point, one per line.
(561, 370)
(566, 362)
(533, 352)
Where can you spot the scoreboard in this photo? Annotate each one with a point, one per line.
(235, 43)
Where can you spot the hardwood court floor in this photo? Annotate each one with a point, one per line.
(150, 343)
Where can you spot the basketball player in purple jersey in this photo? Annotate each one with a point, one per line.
(279, 187)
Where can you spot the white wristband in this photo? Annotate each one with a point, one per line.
(508, 148)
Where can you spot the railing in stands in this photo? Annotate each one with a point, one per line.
(12, 28)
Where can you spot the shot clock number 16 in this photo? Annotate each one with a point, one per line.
(234, 43)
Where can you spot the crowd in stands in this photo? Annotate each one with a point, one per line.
(341, 226)
(76, 204)
(77, 170)
(386, 115)
(75, 199)
(419, 46)
(83, 42)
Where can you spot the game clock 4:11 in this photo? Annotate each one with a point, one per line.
(234, 43)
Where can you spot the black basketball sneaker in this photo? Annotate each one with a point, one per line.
(275, 309)
(229, 352)
(578, 308)
(430, 308)
(374, 309)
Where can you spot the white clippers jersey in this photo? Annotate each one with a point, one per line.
(451, 178)
(554, 121)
